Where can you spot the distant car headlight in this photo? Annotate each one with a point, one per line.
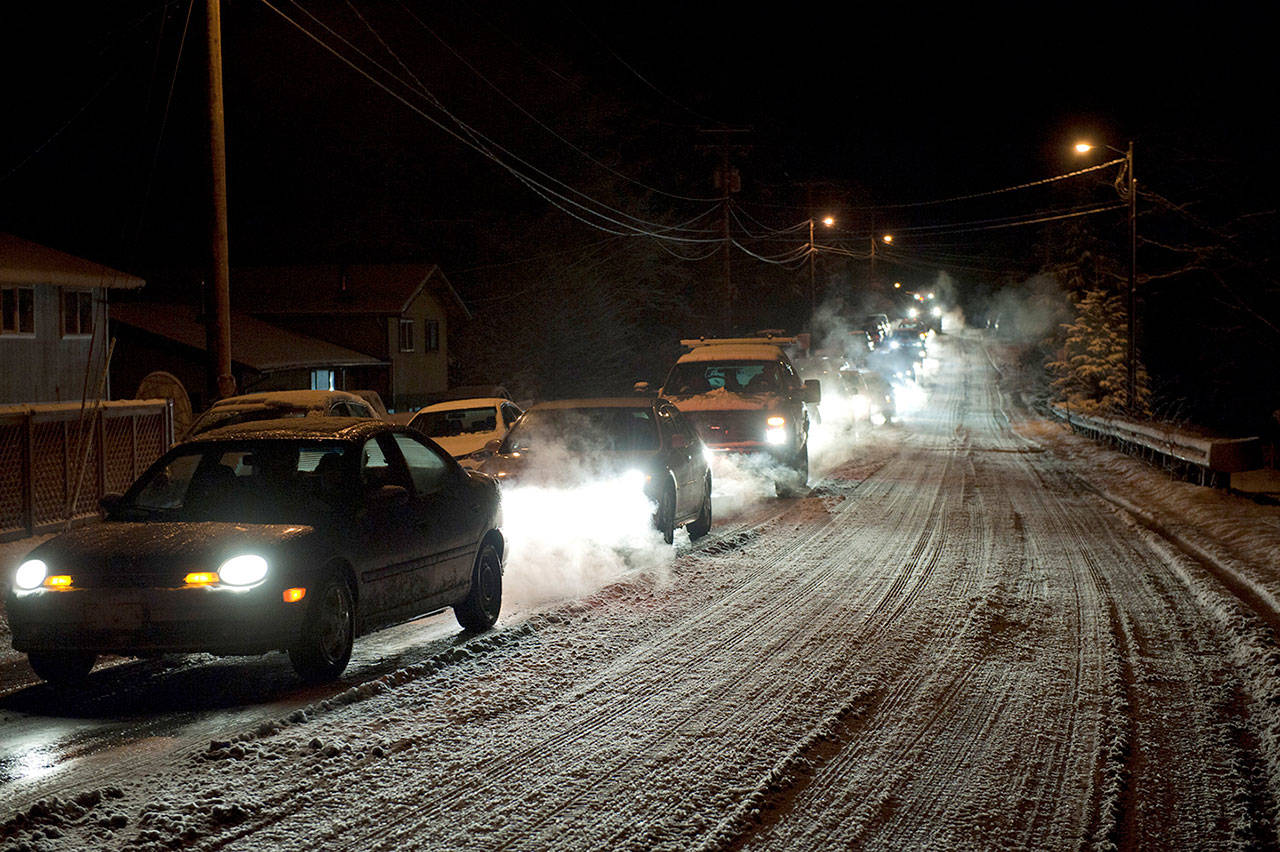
(30, 574)
(894, 344)
(244, 570)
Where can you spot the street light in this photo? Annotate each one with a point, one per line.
(1129, 192)
(813, 290)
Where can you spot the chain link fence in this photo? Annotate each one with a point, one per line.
(57, 460)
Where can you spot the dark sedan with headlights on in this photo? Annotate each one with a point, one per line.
(294, 535)
(642, 444)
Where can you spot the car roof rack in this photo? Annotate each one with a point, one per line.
(694, 342)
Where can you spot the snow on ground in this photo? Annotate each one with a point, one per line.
(747, 694)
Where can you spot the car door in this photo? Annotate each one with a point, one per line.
(448, 516)
(678, 450)
(390, 543)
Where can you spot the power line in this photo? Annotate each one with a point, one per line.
(479, 142)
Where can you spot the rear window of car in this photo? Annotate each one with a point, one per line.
(585, 430)
(458, 421)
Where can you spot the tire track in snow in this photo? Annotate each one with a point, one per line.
(731, 643)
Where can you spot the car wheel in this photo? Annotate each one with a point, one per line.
(664, 517)
(62, 668)
(327, 633)
(791, 483)
(701, 525)
(479, 610)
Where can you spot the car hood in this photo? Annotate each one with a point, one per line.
(118, 547)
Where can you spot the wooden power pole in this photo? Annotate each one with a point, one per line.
(218, 332)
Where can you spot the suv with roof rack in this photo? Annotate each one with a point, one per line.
(744, 396)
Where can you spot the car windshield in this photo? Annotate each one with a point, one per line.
(277, 481)
(584, 430)
(459, 421)
(694, 377)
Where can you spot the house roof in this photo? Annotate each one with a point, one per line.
(25, 262)
(378, 288)
(254, 343)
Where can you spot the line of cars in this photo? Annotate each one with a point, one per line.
(298, 521)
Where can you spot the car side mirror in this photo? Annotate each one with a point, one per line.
(389, 496)
(679, 442)
(492, 446)
(812, 391)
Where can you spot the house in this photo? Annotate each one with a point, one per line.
(398, 313)
(172, 338)
(53, 317)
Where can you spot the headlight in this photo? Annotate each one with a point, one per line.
(30, 574)
(634, 479)
(776, 429)
(243, 570)
(894, 344)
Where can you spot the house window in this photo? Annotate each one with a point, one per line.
(431, 335)
(77, 313)
(322, 380)
(18, 310)
(406, 335)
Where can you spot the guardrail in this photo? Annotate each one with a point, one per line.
(57, 460)
(1209, 461)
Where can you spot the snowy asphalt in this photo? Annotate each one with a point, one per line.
(976, 631)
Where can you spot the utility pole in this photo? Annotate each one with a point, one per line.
(218, 331)
(1131, 355)
(728, 180)
(725, 180)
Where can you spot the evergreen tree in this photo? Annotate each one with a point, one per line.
(1091, 370)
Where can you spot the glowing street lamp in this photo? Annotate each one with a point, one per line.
(1127, 187)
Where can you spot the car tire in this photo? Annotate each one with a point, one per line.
(328, 632)
(479, 610)
(62, 668)
(792, 482)
(664, 517)
(701, 525)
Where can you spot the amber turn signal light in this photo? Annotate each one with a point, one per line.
(294, 595)
(58, 581)
(201, 578)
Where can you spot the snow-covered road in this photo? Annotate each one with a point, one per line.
(972, 633)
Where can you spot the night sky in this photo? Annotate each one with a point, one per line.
(860, 109)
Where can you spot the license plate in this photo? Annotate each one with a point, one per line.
(117, 616)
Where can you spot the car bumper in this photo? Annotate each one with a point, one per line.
(217, 620)
(755, 449)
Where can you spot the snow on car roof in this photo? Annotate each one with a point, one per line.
(292, 398)
(294, 427)
(473, 402)
(734, 352)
